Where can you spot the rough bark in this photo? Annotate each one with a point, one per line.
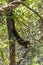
(12, 44)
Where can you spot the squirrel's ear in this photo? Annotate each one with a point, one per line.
(27, 44)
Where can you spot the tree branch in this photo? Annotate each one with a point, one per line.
(14, 4)
(23, 57)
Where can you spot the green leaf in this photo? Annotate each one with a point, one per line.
(2, 55)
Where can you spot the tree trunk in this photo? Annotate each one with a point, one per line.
(12, 44)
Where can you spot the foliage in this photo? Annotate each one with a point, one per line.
(28, 26)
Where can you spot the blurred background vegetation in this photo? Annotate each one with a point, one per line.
(28, 26)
